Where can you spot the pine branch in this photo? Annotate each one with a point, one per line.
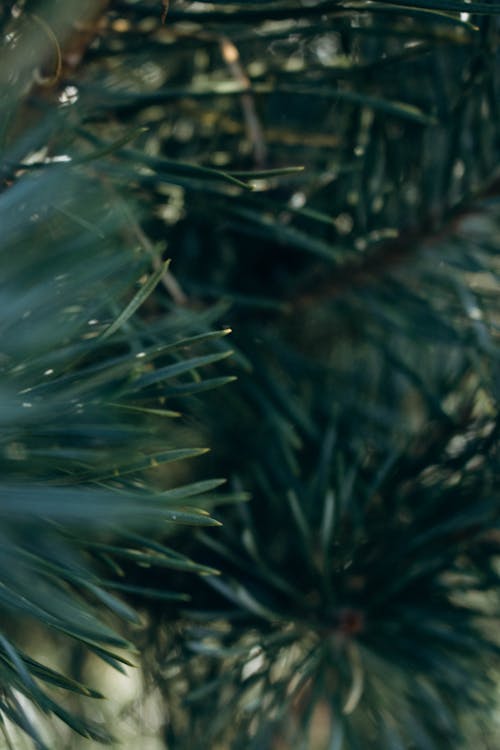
(388, 256)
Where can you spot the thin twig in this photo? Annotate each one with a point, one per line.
(168, 280)
(255, 133)
(165, 7)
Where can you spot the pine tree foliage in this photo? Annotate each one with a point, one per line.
(323, 175)
(83, 391)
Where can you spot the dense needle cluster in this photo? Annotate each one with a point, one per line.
(322, 177)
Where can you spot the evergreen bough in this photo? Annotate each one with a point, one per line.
(323, 176)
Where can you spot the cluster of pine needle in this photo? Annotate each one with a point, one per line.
(249, 391)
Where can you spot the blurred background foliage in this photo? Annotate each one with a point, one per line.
(324, 178)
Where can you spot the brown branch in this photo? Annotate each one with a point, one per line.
(253, 126)
(165, 7)
(55, 41)
(369, 268)
(133, 227)
(168, 280)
